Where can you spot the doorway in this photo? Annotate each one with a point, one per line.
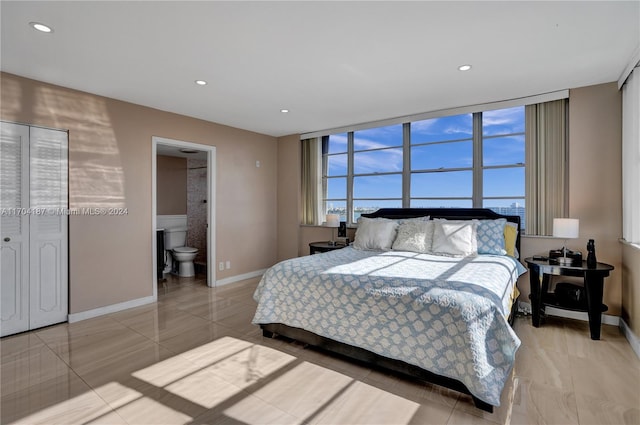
(171, 147)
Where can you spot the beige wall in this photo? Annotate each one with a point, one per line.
(595, 180)
(171, 185)
(110, 257)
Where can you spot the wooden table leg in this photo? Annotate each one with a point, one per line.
(594, 288)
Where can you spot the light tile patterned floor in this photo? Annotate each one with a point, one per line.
(194, 358)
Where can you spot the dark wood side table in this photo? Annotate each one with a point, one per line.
(317, 247)
(593, 284)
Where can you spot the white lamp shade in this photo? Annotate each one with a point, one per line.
(566, 228)
(333, 220)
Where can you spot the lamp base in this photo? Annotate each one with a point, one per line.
(575, 256)
(564, 261)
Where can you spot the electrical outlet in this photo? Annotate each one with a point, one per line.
(228, 264)
(221, 266)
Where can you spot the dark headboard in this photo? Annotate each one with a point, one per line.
(448, 213)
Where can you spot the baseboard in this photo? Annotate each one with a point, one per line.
(113, 308)
(607, 319)
(239, 277)
(633, 339)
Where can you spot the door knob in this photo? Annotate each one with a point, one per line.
(7, 239)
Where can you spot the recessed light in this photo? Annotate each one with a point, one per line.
(41, 27)
(201, 82)
(284, 111)
(464, 67)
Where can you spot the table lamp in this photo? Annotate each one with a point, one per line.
(566, 228)
(333, 221)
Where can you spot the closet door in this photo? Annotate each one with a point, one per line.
(33, 227)
(48, 227)
(14, 228)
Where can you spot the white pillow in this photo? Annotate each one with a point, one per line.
(456, 238)
(404, 220)
(414, 236)
(375, 234)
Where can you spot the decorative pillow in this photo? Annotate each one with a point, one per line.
(455, 238)
(491, 236)
(414, 236)
(510, 236)
(405, 220)
(375, 234)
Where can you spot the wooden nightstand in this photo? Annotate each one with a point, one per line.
(593, 286)
(324, 246)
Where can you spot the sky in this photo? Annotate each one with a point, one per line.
(428, 154)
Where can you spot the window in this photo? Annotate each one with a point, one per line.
(503, 161)
(334, 174)
(377, 169)
(442, 162)
(438, 162)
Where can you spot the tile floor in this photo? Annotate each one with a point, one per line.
(194, 358)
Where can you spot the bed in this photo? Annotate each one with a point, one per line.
(436, 306)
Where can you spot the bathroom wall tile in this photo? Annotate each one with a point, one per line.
(197, 207)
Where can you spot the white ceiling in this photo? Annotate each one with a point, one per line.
(330, 63)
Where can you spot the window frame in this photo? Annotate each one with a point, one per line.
(477, 198)
(477, 167)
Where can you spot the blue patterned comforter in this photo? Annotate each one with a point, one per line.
(446, 315)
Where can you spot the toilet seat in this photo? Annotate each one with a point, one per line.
(185, 250)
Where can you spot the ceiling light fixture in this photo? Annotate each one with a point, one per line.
(41, 27)
(201, 82)
(284, 111)
(188, 151)
(464, 67)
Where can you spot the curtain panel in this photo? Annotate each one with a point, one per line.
(311, 181)
(546, 175)
(631, 158)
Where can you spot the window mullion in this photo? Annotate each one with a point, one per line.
(477, 160)
(406, 165)
(350, 178)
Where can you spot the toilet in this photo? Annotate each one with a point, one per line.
(174, 240)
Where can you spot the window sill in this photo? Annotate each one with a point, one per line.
(631, 244)
(325, 227)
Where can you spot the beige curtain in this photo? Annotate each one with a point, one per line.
(547, 165)
(311, 181)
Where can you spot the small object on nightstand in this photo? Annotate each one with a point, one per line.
(570, 296)
(592, 263)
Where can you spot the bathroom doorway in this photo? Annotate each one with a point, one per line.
(197, 185)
